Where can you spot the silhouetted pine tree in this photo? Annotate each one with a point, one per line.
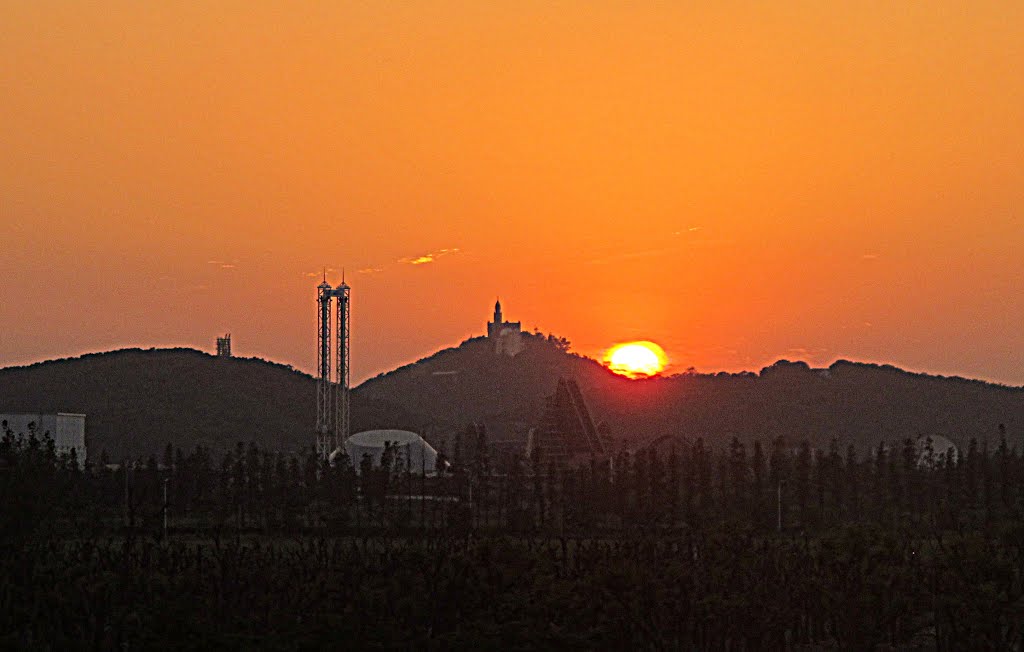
(757, 486)
(801, 481)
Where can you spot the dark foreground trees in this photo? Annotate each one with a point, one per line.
(855, 589)
(679, 550)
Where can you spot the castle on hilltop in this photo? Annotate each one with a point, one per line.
(507, 336)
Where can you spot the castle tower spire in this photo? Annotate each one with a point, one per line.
(504, 334)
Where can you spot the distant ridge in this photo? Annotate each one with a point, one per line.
(139, 400)
(854, 403)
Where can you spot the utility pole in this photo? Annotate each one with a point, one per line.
(124, 466)
(779, 504)
(165, 508)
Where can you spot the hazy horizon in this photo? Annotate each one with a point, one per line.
(668, 372)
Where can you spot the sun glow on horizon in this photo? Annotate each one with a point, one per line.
(636, 359)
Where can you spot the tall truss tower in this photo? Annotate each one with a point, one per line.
(332, 390)
(341, 387)
(324, 395)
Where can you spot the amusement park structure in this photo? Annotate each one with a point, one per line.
(332, 391)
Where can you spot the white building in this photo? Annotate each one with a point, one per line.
(65, 429)
(409, 448)
(933, 449)
(507, 336)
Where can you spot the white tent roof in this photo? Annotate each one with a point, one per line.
(378, 437)
(940, 446)
(371, 442)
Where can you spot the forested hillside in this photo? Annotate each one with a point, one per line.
(137, 401)
(854, 403)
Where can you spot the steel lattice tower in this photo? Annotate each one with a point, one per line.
(324, 411)
(341, 387)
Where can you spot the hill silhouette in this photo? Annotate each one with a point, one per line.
(139, 400)
(854, 403)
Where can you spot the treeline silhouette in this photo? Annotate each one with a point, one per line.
(674, 546)
(135, 401)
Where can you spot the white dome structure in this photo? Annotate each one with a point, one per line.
(931, 449)
(408, 447)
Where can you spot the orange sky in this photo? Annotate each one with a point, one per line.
(738, 183)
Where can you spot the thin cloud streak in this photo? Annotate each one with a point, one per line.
(223, 264)
(427, 257)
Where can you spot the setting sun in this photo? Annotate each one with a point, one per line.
(636, 359)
